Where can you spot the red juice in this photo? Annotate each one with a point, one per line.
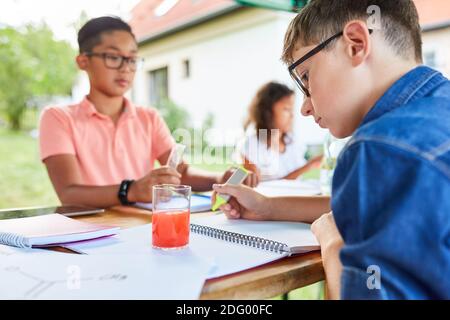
(170, 229)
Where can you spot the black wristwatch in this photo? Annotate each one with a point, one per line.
(123, 192)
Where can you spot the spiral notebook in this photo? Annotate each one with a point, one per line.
(286, 238)
(230, 245)
(49, 230)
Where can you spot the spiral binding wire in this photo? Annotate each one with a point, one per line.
(14, 240)
(239, 238)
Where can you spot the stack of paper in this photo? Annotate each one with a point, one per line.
(49, 230)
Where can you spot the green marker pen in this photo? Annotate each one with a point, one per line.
(236, 178)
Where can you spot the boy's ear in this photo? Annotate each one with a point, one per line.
(82, 61)
(358, 41)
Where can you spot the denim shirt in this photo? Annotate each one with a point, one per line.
(391, 194)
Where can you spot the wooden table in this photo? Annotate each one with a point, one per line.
(262, 282)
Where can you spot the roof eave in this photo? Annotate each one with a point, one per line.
(188, 24)
(436, 26)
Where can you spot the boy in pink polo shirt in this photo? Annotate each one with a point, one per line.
(105, 144)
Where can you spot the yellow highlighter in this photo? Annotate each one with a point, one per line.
(236, 178)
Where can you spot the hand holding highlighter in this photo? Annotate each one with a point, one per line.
(236, 178)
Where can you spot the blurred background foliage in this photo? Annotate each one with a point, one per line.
(42, 66)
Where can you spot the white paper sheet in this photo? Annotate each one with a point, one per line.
(155, 275)
(6, 251)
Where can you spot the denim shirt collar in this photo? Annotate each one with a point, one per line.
(414, 85)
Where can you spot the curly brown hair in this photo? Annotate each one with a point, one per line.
(261, 108)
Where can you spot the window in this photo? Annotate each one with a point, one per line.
(159, 86)
(186, 68)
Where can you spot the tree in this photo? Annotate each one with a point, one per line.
(179, 123)
(32, 65)
(15, 76)
(175, 116)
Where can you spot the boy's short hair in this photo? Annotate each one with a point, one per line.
(321, 19)
(90, 34)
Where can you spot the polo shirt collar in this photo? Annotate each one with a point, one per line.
(89, 109)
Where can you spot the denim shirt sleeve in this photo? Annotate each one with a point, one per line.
(392, 209)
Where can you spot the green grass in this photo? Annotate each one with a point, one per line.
(312, 174)
(23, 178)
(312, 292)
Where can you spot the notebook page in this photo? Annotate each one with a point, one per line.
(228, 257)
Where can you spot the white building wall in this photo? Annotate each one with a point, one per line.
(438, 41)
(230, 59)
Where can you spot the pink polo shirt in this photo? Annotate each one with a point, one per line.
(106, 154)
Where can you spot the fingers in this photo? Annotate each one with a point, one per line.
(227, 174)
(250, 180)
(314, 227)
(166, 180)
(230, 189)
(162, 171)
(326, 233)
(255, 180)
(213, 199)
(317, 226)
(230, 210)
(165, 175)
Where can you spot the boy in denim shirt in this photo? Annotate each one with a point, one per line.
(358, 63)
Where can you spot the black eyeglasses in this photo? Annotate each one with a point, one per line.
(302, 80)
(115, 61)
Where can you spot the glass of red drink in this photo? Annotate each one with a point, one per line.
(170, 219)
